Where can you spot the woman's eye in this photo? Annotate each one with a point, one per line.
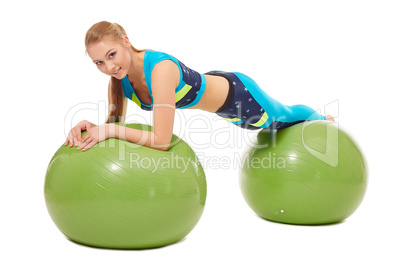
(111, 55)
(99, 63)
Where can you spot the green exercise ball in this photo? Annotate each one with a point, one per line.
(123, 195)
(309, 173)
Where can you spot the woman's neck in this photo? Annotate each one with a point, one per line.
(137, 65)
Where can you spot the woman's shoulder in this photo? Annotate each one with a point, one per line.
(152, 57)
(156, 55)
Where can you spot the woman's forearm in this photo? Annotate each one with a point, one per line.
(141, 137)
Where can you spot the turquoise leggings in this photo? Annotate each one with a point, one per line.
(248, 106)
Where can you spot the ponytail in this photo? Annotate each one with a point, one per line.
(117, 102)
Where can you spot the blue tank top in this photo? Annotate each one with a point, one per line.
(188, 93)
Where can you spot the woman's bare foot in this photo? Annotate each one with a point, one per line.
(330, 118)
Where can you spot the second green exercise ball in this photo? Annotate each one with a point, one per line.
(309, 173)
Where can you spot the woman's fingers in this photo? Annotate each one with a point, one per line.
(72, 139)
(88, 126)
(86, 143)
(89, 145)
(69, 140)
(76, 142)
(85, 138)
(77, 135)
(74, 136)
(82, 142)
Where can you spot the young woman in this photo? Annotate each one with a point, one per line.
(158, 82)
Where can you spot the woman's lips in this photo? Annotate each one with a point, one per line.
(117, 72)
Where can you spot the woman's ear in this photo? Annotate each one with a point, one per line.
(127, 41)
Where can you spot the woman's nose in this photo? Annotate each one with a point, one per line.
(109, 67)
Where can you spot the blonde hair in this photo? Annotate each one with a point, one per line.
(117, 102)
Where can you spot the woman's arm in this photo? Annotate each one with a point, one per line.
(165, 78)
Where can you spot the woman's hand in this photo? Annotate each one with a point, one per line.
(74, 136)
(94, 135)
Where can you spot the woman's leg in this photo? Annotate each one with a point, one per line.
(278, 115)
(250, 107)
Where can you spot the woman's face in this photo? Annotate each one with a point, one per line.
(111, 57)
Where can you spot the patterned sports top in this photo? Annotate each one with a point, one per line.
(188, 93)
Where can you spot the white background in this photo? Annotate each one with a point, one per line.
(309, 52)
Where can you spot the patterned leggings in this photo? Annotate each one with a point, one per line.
(248, 106)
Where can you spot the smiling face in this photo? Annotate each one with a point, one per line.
(111, 57)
